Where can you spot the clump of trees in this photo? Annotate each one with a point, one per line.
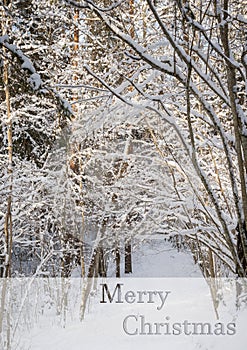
(155, 140)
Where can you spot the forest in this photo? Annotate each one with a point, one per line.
(120, 122)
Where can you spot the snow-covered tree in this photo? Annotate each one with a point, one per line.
(32, 115)
(186, 63)
(157, 140)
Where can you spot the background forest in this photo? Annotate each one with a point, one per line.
(122, 121)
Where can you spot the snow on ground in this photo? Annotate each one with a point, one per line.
(51, 309)
(157, 258)
(119, 325)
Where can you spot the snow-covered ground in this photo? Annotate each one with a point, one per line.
(46, 314)
(157, 258)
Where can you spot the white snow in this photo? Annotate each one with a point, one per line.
(157, 258)
(35, 81)
(50, 311)
(111, 324)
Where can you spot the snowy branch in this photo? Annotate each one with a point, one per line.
(34, 79)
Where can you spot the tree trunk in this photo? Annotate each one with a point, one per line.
(128, 258)
(240, 150)
(8, 216)
(118, 260)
